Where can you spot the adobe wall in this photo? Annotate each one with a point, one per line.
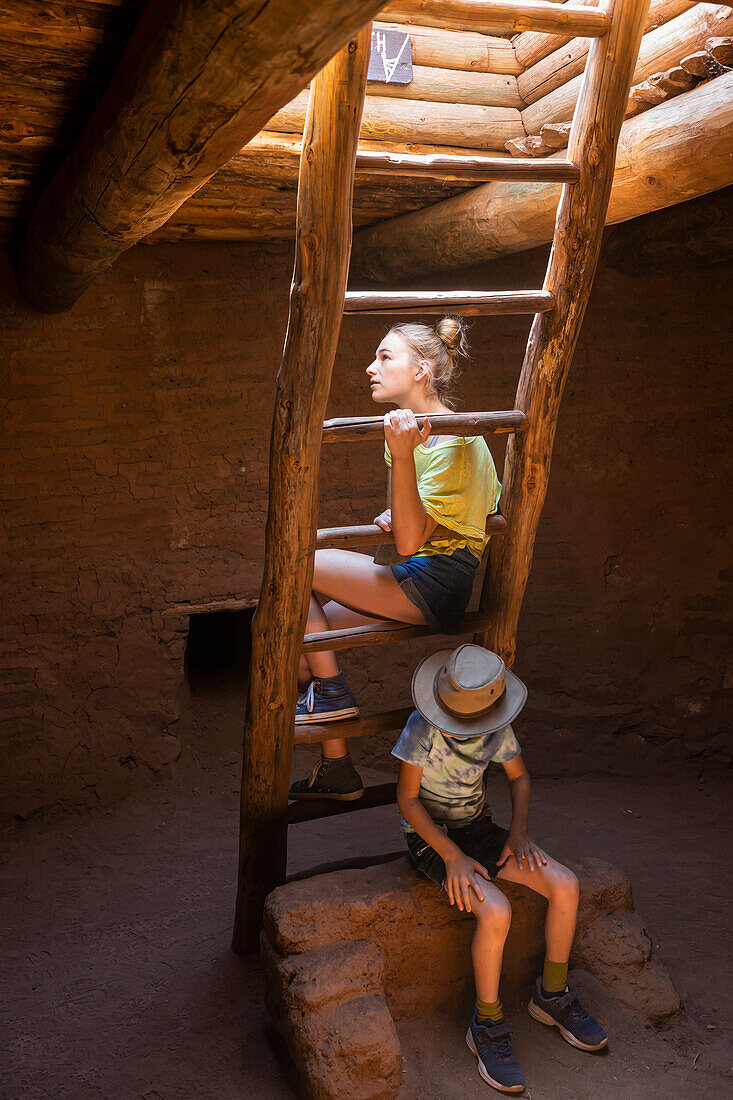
(134, 476)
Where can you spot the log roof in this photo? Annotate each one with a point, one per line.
(471, 92)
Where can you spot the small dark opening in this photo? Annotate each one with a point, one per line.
(219, 645)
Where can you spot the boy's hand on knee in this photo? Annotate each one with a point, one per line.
(462, 876)
(523, 848)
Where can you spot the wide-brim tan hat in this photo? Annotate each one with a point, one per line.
(467, 691)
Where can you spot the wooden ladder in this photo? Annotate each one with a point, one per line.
(318, 303)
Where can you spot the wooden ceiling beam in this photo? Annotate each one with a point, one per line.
(532, 46)
(403, 120)
(564, 62)
(499, 16)
(467, 51)
(196, 83)
(666, 155)
(660, 49)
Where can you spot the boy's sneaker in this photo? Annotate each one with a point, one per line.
(566, 1013)
(326, 700)
(497, 1062)
(336, 779)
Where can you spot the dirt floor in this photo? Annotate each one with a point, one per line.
(120, 984)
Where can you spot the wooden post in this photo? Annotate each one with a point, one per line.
(578, 232)
(196, 82)
(322, 251)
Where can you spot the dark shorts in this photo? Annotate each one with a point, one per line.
(482, 840)
(440, 584)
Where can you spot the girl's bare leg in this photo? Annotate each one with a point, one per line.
(332, 616)
(352, 591)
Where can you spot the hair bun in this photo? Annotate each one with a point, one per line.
(452, 331)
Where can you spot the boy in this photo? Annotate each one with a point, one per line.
(465, 701)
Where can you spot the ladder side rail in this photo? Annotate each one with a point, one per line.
(322, 254)
(576, 247)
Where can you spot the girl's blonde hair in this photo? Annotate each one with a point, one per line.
(441, 346)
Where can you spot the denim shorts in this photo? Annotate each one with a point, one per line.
(439, 584)
(482, 840)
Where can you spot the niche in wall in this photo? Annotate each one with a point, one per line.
(218, 646)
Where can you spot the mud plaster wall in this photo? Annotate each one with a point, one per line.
(134, 462)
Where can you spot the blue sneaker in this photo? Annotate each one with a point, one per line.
(326, 700)
(497, 1062)
(566, 1013)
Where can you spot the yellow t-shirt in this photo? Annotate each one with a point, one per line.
(459, 488)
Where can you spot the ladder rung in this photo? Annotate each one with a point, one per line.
(386, 632)
(349, 429)
(382, 795)
(352, 727)
(371, 535)
(467, 303)
(475, 169)
(500, 17)
(354, 863)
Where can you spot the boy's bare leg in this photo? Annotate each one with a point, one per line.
(560, 886)
(493, 918)
(552, 1003)
(488, 1032)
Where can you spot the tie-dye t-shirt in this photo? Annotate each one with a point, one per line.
(451, 787)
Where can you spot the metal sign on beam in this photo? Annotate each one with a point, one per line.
(390, 61)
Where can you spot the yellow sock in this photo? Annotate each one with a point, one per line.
(554, 977)
(489, 1012)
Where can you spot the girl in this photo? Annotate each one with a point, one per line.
(440, 490)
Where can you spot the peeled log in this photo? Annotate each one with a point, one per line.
(432, 85)
(660, 50)
(464, 50)
(499, 16)
(407, 120)
(567, 57)
(532, 46)
(196, 82)
(666, 155)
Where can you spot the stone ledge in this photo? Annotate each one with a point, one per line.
(431, 968)
(328, 1003)
(349, 952)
